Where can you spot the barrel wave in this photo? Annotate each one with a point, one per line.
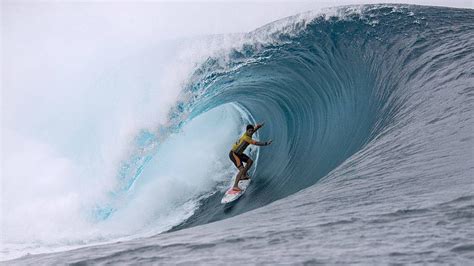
(327, 90)
(358, 100)
(325, 87)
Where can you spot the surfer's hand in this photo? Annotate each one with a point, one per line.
(259, 125)
(268, 142)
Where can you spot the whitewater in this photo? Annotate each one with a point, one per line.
(371, 112)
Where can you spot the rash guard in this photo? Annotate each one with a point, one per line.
(242, 143)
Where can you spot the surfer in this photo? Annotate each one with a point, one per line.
(237, 155)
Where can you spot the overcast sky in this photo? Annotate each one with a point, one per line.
(93, 24)
(65, 36)
(162, 20)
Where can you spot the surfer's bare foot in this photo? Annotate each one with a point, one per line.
(237, 189)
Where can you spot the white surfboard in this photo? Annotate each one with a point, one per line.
(231, 195)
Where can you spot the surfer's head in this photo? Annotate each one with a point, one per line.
(250, 129)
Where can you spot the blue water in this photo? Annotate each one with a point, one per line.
(371, 111)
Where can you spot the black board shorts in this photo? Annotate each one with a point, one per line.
(237, 158)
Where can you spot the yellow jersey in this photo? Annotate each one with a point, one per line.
(242, 143)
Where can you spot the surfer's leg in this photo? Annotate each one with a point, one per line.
(239, 176)
(235, 159)
(238, 163)
(247, 167)
(248, 163)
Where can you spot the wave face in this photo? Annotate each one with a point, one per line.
(374, 102)
(334, 86)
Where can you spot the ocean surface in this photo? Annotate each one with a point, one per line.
(371, 112)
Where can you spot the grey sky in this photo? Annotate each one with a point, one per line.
(64, 38)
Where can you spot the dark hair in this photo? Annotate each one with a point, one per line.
(250, 127)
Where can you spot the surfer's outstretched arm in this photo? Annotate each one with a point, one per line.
(257, 127)
(262, 143)
(259, 143)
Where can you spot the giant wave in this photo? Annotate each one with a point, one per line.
(329, 88)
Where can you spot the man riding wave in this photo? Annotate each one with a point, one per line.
(237, 155)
